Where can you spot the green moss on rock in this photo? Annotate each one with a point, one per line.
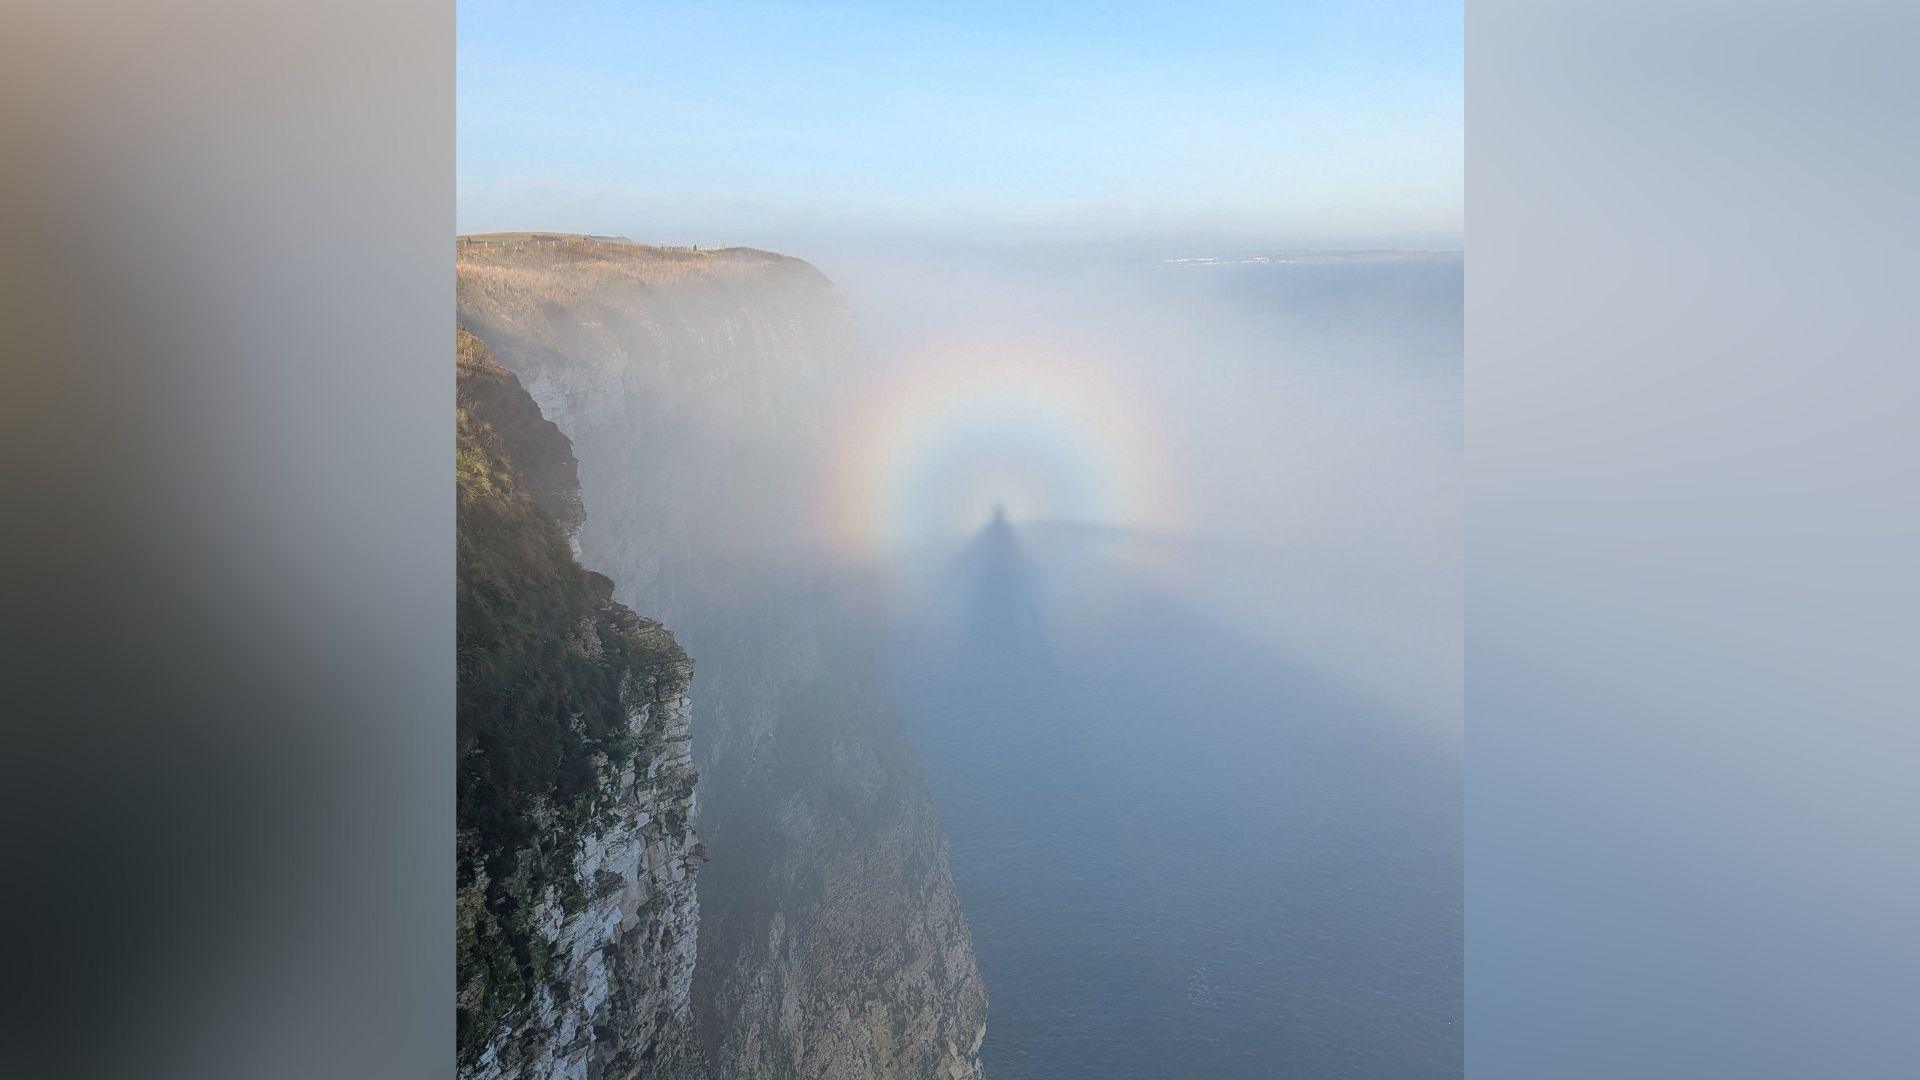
(551, 672)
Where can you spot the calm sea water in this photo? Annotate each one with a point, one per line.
(1190, 844)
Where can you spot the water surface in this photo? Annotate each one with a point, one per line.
(1202, 785)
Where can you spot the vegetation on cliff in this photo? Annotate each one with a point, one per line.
(550, 671)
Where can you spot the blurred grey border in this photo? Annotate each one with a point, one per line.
(1693, 617)
(1691, 530)
(227, 312)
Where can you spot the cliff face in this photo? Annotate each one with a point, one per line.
(695, 387)
(576, 911)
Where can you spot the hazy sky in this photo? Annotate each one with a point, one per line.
(1315, 123)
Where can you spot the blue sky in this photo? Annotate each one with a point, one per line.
(1298, 124)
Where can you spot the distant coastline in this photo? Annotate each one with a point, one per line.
(1266, 258)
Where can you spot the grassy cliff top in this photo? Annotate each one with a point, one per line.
(562, 300)
(573, 249)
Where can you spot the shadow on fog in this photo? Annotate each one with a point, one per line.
(1182, 854)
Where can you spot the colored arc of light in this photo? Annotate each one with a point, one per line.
(929, 450)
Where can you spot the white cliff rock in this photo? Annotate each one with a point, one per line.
(618, 999)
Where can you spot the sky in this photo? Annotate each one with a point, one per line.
(1312, 124)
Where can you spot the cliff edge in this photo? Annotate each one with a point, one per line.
(698, 388)
(576, 911)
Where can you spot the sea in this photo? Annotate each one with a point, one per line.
(1201, 774)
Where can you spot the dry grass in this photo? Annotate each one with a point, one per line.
(594, 258)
